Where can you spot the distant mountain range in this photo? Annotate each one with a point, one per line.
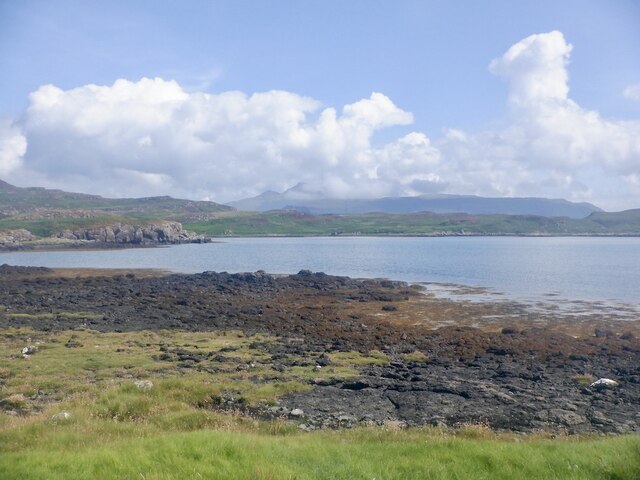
(302, 198)
(39, 214)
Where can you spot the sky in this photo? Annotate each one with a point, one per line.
(222, 100)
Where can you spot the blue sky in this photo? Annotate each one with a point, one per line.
(429, 59)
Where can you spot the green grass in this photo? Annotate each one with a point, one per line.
(85, 367)
(356, 358)
(175, 430)
(296, 223)
(360, 454)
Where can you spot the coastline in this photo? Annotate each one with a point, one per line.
(44, 245)
(439, 361)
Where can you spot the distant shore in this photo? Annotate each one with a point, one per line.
(90, 245)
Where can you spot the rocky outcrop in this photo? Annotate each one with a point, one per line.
(518, 378)
(13, 237)
(154, 233)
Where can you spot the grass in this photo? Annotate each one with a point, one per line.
(415, 357)
(359, 454)
(100, 369)
(174, 430)
(49, 316)
(357, 359)
(282, 222)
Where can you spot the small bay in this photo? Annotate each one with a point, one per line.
(593, 269)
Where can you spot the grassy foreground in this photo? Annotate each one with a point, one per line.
(361, 454)
(174, 429)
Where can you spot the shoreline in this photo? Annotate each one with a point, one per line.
(439, 361)
(40, 245)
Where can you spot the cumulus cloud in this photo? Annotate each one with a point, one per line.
(632, 92)
(13, 146)
(153, 136)
(536, 69)
(550, 145)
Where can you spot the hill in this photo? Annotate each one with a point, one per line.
(29, 213)
(304, 199)
(292, 222)
(16, 200)
(38, 214)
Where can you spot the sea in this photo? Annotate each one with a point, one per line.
(597, 270)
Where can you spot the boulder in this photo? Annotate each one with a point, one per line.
(29, 350)
(126, 234)
(603, 384)
(10, 237)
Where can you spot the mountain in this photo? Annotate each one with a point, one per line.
(39, 214)
(304, 199)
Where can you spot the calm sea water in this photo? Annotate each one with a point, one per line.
(592, 269)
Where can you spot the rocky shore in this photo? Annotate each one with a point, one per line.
(107, 236)
(448, 363)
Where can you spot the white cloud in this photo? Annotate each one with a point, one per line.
(153, 137)
(13, 146)
(551, 146)
(536, 69)
(632, 92)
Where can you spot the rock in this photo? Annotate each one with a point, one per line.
(296, 412)
(10, 237)
(347, 420)
(603, 384)
(62, 416)
(29, 350)
(15, 401)
(604, 333)
(566, 417)
(143, 384)
(118, 233)
(510, 331)
(389, 308)
(355, 385)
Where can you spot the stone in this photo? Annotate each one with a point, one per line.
(143, 384)
(29, 350)
(62, 416)
(11, 237)
(566, 417)
(604, 383)
(296, 412)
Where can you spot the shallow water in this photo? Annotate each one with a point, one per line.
(545, 269)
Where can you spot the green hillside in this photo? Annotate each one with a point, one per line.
(45, 212)
(23, 200)
(282, 222)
